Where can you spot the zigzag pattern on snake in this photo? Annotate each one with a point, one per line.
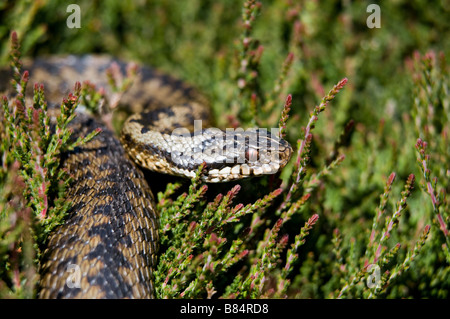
(110, 235)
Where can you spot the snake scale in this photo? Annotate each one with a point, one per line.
(107, 247)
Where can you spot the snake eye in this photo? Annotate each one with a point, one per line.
(251, 155)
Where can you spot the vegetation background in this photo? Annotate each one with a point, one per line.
(247, 57)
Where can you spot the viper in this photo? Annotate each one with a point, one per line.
(107, 246)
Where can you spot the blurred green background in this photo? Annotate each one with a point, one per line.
(196, 40)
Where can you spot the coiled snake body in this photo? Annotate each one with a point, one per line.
(107, 247)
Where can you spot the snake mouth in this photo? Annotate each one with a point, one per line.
(267, 156)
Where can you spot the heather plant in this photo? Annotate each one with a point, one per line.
(361, 210)
(33, 183)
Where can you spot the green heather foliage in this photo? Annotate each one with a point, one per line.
(361, 210)
(33, 198)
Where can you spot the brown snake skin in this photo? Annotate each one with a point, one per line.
(111, 231)
(108, 244)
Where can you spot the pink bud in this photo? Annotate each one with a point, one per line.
(391, 178)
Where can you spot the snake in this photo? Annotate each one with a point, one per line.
(107, 246)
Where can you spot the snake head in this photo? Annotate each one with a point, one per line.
(229, 155)
(236, 154)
